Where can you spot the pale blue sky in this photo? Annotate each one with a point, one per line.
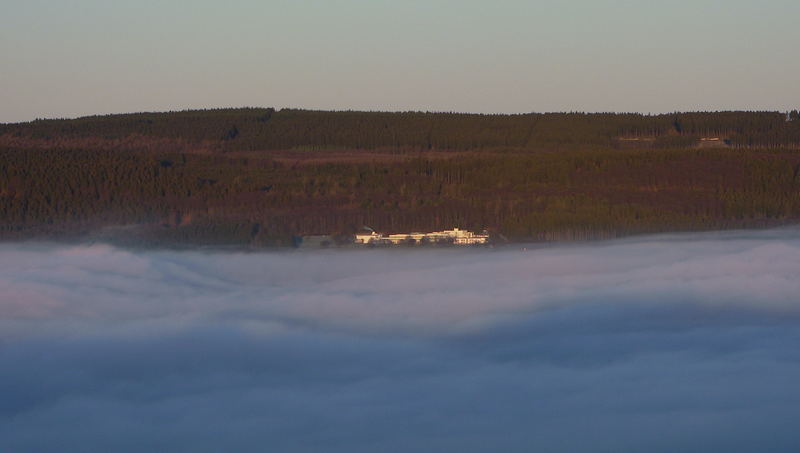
(78, 57)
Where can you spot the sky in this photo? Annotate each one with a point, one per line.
(669, 343)
(68, 58)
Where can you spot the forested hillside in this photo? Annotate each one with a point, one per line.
(259, 176)
(267, 129)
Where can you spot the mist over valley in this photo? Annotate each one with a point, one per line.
(675, 342)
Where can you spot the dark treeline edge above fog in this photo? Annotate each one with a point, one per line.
(260, 177)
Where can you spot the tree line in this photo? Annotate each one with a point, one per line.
(264, 129)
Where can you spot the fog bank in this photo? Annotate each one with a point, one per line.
(666, 343)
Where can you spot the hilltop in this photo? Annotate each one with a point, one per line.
(260, 176)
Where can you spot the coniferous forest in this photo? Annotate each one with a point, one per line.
(260, 177)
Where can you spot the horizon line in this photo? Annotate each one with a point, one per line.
(357, 110)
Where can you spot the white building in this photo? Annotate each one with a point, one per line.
(455, 236)
(368, 238)
(463, 237)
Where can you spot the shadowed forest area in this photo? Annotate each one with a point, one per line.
(259, 176)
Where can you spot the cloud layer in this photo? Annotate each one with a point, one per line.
(669, 343)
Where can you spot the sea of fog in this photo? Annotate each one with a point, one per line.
(686, 343)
